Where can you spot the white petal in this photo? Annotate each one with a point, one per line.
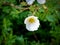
(30, 2)
(41, 1)
(32, 27)
(25, 21)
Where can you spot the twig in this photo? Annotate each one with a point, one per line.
(35, 36)
(15, 6)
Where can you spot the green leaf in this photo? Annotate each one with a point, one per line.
(50, 18)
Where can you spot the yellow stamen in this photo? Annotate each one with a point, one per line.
(31, 20)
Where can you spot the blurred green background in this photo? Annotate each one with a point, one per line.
(12, 27)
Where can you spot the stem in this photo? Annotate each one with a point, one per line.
(35, 36)
(15, 6)
(44, 6)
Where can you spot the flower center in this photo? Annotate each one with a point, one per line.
(31, 20)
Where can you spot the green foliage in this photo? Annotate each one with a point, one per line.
(12, 27)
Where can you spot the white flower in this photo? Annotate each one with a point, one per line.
(32, 23)
(30, 2)
(41, 1)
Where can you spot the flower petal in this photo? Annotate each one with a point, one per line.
(41, 1)
(30, 2)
